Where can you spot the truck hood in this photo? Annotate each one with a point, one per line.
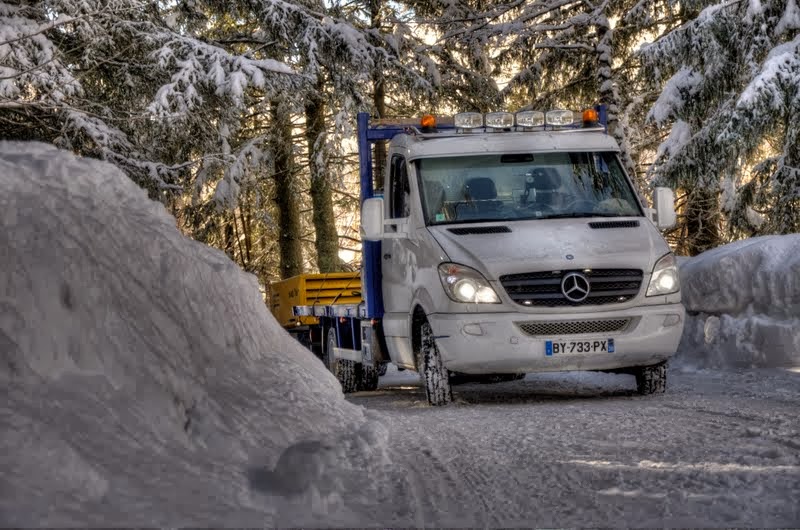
(552, 244)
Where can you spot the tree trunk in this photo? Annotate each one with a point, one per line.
(702, 221)
(378, 99)
(327, 240)
(786, 214)
(609, 93)
(286, 196)
(228, 235)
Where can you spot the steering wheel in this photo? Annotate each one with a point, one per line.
(538, 207)
(580, 205)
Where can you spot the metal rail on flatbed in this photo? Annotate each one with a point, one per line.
(339, 310)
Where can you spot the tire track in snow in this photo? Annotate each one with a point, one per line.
(563, 451)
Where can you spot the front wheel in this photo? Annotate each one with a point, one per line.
(368, 380)
(435, 377)
(651, 379)
(344, 370)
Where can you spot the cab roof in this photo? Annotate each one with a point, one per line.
(433, 145)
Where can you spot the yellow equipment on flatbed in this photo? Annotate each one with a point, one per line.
(323, 289)
(311, 306)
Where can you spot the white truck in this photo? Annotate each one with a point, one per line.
(505, 244)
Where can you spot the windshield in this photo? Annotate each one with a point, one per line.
(524, 186)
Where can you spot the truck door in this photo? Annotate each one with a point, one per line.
(398, 263)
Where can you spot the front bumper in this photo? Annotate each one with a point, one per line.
(495, 342)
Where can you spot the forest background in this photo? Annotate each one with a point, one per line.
(239, 115)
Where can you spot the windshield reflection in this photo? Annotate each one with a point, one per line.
(512, 187)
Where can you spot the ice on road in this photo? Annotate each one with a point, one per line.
(720, 448)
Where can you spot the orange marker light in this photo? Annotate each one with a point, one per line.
(590, 116)
(428, 121)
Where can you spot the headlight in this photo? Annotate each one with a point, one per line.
(466, 285)
(665, 277)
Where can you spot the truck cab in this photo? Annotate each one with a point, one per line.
(506, 244)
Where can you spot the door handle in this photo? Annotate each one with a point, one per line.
(387, 256)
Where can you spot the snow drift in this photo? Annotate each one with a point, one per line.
(143, 380)
(743, 304)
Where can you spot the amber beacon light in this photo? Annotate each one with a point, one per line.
(590, 117)
(428, 121)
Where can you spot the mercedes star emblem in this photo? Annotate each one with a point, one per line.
(575, 287)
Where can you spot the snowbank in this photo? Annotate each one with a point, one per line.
(143, 380)
(743, 301)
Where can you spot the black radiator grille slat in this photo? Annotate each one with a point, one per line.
(607, 286)
(544, 284)
(615, 286)
(613, 292)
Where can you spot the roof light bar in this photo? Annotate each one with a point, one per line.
(468, 120)
(500, 120)
(530, 118)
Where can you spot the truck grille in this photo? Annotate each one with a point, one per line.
(606, 286)
(573, 327)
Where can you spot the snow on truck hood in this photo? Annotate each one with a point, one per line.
(545, 244)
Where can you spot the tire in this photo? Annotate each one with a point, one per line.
(435, 377)
(651, 379)
(368, 380)
(343, 369)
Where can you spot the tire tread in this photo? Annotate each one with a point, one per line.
(435, 377)
(651, 379)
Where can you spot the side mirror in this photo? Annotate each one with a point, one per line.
(372, 219)
(664, 202)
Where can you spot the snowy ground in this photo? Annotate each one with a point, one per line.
(721, 448)
(144, 383)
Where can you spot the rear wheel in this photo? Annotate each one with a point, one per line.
(651, 379)
(435, 377)
(344, 370)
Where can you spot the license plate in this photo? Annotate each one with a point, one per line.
(556, 347)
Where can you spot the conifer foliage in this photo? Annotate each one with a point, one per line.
(731, 94)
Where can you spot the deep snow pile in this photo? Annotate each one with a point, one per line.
(743, 304)
(143, 380)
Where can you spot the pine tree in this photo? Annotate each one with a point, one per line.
(730, 94)
(120, 81)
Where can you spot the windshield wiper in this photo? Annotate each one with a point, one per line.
(470, 221)
(573, 215)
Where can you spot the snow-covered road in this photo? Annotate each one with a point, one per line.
(721, 448)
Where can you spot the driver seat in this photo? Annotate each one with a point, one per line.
(481, 194)
(546, 183)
